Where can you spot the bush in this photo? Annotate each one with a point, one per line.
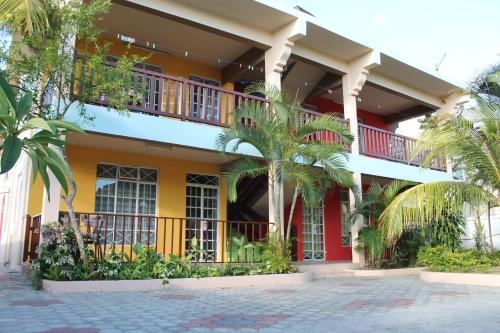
(443, 259)
(58, 256)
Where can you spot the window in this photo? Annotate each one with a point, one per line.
(345, 218)
(153, 84)
(203, 101)
(127, 192)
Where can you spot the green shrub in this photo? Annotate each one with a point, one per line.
(443, 259)
(59, 260)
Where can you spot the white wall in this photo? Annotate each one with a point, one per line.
(14, 190)
(495, 229)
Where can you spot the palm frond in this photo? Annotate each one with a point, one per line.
(25, 16)
(430, 202)
(234, 172)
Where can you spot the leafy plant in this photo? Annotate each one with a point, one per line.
(443, 259)
(16, 120)
(58, 256)
(276, 258)
(371, 241)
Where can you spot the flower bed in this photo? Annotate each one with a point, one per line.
(60, 260)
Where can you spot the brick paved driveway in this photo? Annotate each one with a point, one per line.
(344, 304)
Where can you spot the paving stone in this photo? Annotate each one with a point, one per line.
(344, 304)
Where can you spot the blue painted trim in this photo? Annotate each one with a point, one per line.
(202, 136)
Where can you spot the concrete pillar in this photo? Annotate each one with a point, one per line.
(357, 257)
(352, 83)
(50, 208)
(449, 106)
(275, 60)
(16, 193)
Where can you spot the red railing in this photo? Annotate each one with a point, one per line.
(164, 95)
(393, 147)
(218, 240)
(324, 136)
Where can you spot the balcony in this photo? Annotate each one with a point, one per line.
(188, 100)
(386, 145)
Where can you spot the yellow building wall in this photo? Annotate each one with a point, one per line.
(36, 197)
(171, 189)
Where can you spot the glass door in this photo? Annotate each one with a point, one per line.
(202, 209)
(312, 233)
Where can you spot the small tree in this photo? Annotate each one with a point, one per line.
(370, 205)
(43, 63)
(288, 156)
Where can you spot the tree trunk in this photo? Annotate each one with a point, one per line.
(492, 247)
(292, 209)
(75, 225)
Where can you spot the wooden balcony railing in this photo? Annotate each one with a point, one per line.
(393, 147)
(176, 97)
(324, 136)
(219, 240)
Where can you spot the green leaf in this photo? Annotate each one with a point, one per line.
(42, 168)
(24, 106)
(66, 125)
(38, 123)
(34, 163)
(7, 91)
(9, 122)
(10, 153)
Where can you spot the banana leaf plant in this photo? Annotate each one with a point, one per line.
(21, 131)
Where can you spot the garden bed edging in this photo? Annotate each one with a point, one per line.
(185, 283)
(475, 279)
(412, 271)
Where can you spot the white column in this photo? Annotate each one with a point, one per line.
(352, 83)
(449, 106)
(17, 183)
(50, 208)
(275, 59)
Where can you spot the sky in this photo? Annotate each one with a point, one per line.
(419, 32)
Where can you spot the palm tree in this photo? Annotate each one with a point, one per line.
(287, 156)
(25, 16)
(370, 205)
(470, 139)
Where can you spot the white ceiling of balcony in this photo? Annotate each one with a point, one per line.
(376, 100)
(302, 79)
(202, 46)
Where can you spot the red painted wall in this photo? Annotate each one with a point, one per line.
(332, 227)
(369, 118)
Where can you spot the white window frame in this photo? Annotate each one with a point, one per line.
(216, 220)
(137, 182)
(323, 223)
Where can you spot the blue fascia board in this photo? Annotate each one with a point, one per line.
(201, 136)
